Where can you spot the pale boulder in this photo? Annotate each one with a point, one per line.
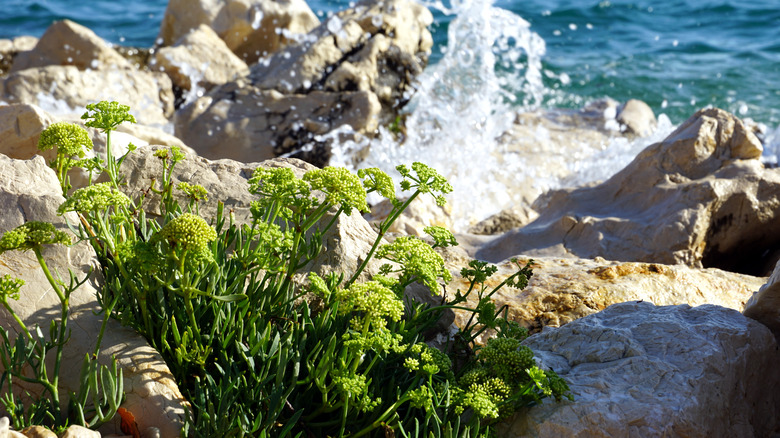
(377, 47)
(764, 305)
(242, 122)
(700, 198)
(69, 43)
(10, 48)
(562, 290)
(354, 72)
(636, 118)
(198, 61)
(637, 370)
(29, 191)
(543, 148)
(5, 429)
(66, 90)
(250, 28)
(22, 124)
(20, 128)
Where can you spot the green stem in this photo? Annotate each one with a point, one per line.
(394, 215)
(16, 318)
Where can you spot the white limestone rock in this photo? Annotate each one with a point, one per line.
(66, 90)
(69, 43)
(250, 28)
(700, 198)
(198, 61)
(637, 370)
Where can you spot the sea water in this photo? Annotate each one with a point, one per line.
(495, 58)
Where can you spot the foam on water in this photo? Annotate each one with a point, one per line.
(463, 103)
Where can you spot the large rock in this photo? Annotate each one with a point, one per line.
(244, 123)
(562, 290)
(66, 90)
(22, 124)
(69, 43)
(9, 49)
(29, 191)
(701, 198)
(764, 305)
(354, 72)
(20, 128)
(377, 47)
(198, 61)
(637, 370)
(250, 28)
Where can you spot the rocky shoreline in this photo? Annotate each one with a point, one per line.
(618, 265)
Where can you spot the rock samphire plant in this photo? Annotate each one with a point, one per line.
(261, 347)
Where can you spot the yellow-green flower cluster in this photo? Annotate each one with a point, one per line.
(70, 139)
(375, 301)
(442, 237)
(93, 198)
(417, 259)
(421, 398)
(279, 188)
(9, 287)
(195, 192)
(318, 286)
(375, 179)
(174, 153)
(188, 232)
(106, 116)
(429, 361)
(355, 387)
(379, 340)
(341, 187)
(484, 398)
(428, 180)
(508, 358)
(141, 255)
(32, 235)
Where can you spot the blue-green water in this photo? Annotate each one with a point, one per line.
(677, 55)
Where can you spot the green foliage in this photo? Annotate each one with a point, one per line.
(25, 359)
(256, 353)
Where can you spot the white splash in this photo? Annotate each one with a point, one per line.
(463, 103)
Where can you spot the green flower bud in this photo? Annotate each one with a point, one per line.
(376, 180)
(70, 139)
(106, 116)
(187, 232)
(341, 187)
(9, 287)
(32, 235)
(93, 198)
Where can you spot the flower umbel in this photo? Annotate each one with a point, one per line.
(195, 192)
(188, 232)
(341, 187)
(106, 116)
(376, 180)
(442, 237)
(428, 180)
(417, 259)
(9, 287)
(70, 139)
(95, 197)
(32, 235)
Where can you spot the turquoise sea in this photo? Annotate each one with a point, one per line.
(677, 55)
